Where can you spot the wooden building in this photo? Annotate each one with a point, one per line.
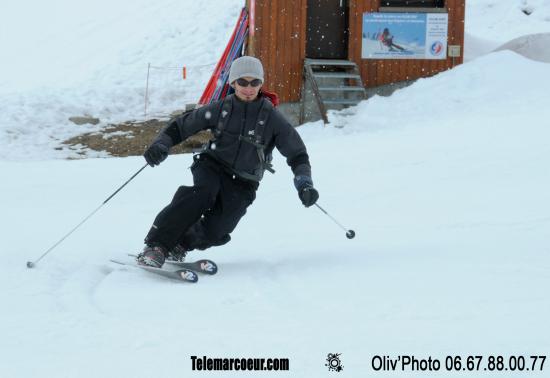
(285, 33)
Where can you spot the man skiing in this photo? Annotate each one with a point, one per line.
(226, 174)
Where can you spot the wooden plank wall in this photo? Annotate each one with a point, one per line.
(280, 42)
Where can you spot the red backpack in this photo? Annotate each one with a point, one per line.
(271, 96)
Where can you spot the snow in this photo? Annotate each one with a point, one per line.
(492, 23)
(91, 58)
(446, 184)
(532, 46)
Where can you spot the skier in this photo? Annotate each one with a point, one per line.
(226, 174)
(387, 40)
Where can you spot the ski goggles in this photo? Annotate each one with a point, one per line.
(245, 83)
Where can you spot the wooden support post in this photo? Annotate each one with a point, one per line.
(146, 92)
(303, 97)
(251, 7)
(317, 94)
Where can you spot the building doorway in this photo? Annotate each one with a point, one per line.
(327, 29)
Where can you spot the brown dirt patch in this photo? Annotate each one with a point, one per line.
(132, 138)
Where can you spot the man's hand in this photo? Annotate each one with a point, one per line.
(156, 154)
(308, 196)
(307, 193)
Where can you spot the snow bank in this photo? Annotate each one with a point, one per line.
(532, 46)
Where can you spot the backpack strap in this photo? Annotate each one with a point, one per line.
(227, 106)
(263, 117)
(223, 118)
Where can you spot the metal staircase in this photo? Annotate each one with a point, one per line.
(335, 84)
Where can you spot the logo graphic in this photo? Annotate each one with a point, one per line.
(189, 276)
(333, 362)
(207, 266)
(436, 48)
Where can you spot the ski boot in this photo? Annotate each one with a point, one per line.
(152, 256)
(178, 253)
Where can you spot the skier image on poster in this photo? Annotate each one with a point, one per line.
(394, 36)
(386, 39)
(226, 174)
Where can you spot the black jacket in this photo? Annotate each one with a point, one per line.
(230, 148)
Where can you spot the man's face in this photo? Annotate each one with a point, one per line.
(247, 92)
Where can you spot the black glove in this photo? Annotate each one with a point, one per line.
(156, 153)
(307, 193)
(309, 196)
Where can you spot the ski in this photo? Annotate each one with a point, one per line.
(185, 275)
(200, 266)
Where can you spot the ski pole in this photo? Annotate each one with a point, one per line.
(31, 264)
(349, 233)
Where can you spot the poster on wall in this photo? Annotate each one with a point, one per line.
(404, 36)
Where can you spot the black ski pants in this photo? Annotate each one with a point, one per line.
(203, 215)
